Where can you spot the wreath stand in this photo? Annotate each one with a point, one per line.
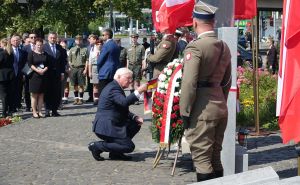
(161, 150)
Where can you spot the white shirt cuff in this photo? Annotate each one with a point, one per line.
(137, 94)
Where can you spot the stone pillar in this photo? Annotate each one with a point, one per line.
(229, 35)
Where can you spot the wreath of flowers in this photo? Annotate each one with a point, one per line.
(176, 127)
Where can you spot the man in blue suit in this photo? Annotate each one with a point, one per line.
(108, 60)
(114, 123)
(19, 62)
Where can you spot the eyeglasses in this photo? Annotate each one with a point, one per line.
(32, 37)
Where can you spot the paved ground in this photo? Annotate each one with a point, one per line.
(54, 151)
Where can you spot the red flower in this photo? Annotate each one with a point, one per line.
(174, 125)
(176, 107)
(158, 111)
(176, 100)
(173, 116)
(179, 122)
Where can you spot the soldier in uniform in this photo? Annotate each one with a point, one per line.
(163, 55)
(135, 56)
(78, 57)
(204, 91)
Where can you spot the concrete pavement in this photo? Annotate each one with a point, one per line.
(54, 151)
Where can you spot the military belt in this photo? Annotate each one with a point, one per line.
(202, 84)
(78, 66)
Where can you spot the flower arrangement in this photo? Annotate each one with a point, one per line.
(267, 98)
(159, 98)
(9, 120)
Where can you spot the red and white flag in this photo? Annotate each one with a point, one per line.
(288, 93)
(168, 15)
(245, 9)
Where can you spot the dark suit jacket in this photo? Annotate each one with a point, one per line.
(113, 113)
(272, 57)
(108, 61)
(21, 63)
(27, 48)
(58, 62)
(6, 66)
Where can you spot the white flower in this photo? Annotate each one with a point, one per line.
(176, 93)
(171, 64)
(177, 64)
(179, 92)
(163, 91)
(162, 77)
(166, 85)
(162, 85)
(169, 72)
(177, 84)
(165, 69)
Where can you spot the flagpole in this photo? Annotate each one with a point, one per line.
(256, 96)
(254, 74)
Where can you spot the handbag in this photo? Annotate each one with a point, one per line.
(27, 70)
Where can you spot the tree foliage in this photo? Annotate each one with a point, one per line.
(72, 16)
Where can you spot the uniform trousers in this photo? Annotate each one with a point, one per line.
(205, 138)
(119, 145)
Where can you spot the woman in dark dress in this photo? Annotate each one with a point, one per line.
(6, 76)
(38, 61)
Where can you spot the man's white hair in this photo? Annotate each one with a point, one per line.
(122, 71)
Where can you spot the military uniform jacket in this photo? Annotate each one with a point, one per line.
(163, 55)
(78, 56)
(135, 54)
(202, 64)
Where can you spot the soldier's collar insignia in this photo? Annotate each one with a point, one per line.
(188, 56)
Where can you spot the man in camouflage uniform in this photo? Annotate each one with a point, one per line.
(78, 57)
(163, 55)
(205, 86)
(135, 56)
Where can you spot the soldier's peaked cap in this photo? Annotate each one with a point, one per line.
(204, 11)
(135, 35)
(79, 37)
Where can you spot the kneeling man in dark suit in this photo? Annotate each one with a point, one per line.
(114, 123)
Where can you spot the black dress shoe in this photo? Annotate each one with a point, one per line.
(119, 156)
(55, 114)
(95, 152)
(47, 113)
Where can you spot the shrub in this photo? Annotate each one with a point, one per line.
(267, 85)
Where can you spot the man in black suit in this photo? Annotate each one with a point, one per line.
(272, 56)
(114, 123)
(28, 48)
(56, 71)
(20, 58)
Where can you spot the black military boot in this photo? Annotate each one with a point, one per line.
(219, 173)
(204, 177)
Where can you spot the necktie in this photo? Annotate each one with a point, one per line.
(53, 50)
(16, 61)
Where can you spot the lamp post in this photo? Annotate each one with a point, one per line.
(111, 19)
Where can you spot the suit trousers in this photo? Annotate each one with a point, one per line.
(119, 145)
(205, 139)
(27, 93)
(53, 91)
(17, 91)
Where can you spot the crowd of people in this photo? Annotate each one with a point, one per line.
(41, 72)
